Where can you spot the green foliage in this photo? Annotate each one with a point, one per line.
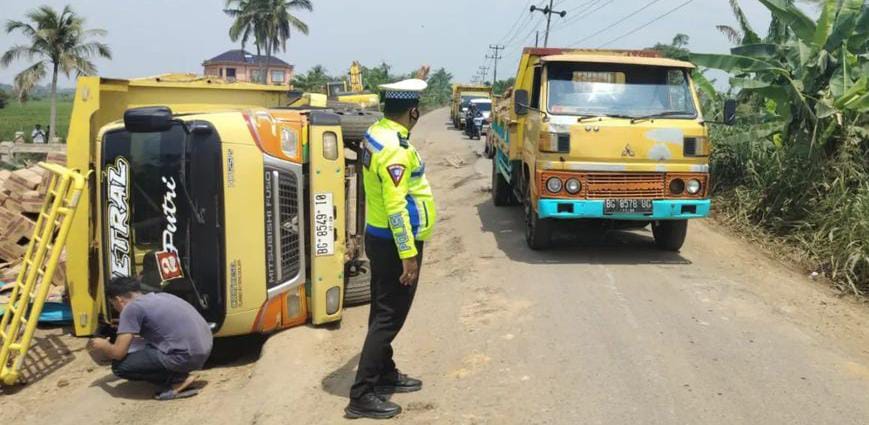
(58, 42)
(4, 98)
(798, 164)
(439, 90)
(314, 81)
(502, 85)
(23, 116)
(269, 22)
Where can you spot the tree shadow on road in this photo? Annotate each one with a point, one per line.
(580, 244)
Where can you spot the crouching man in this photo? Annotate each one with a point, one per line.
(177, 339)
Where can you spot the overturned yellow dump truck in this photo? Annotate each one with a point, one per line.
(241, 199)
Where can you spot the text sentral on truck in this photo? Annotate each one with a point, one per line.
(221, 193)
(610, 136)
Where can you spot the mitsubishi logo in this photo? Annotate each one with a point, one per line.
(292, 225)
(629, 151)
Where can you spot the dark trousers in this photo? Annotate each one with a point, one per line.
(390, 303)
(145, 365)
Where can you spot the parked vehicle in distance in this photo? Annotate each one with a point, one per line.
(610, 136)
(462, 95)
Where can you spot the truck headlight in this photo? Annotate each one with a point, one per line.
(553, 184)
(693, 186)
(289, 143)
(333, 300)
(554, 142)
(677, 186)
(573, 186)
(330, 145)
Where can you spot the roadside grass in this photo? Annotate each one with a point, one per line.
(813, 208)
(22, 117)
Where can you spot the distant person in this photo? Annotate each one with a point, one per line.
(177, 339)
(37, 136)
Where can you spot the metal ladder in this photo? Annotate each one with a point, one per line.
(39, 263)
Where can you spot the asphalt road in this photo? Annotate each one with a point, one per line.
(602, 329)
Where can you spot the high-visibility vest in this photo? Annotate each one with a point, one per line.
(398, 199)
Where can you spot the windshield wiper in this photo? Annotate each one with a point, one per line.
(658, 115)
(588, 117)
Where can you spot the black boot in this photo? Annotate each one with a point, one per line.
(398, 383)
(371, 406)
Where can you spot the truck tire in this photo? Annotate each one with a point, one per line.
(670, 234)
(357, 289)
(538, 231)
(354, 123)
(502, 192)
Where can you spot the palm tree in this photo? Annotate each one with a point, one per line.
(278, 21)
(59, 43)
(270, 22)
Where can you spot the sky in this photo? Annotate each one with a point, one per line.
(159, 36)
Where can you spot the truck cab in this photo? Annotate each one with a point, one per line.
(461, 98)
(221, 193)
(616, 136)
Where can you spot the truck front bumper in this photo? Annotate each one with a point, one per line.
(661, 209)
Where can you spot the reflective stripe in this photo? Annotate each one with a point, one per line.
(378, 232)
(413, 213)
(373, 143)
(418, 173)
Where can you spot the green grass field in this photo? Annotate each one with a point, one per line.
(22, 117)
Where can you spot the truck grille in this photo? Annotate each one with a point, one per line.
(628, 185)
(288, 198)
(283, 221)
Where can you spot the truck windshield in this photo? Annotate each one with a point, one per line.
(593, 89)
(484, 106)
(163, 218)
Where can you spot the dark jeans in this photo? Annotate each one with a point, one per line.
(145, 365)
(390, 303)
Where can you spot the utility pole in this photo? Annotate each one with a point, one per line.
(483, 71)
(548, 11)
(536, 38)
(495, 57)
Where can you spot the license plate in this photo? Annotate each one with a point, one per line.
(324, 225)
(627, 206)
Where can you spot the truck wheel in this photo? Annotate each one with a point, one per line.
(670, 234)
(357, 289)
(354, 124)
(538, 231)
(502, 192)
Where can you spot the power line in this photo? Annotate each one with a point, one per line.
(548, 11)
(617, 22)
(647, 23)
(590, 12)
(495, 57)
(521, 28)
(516, 24)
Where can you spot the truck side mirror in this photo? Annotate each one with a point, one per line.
(150, 119)
(729, 112)
(520, 102)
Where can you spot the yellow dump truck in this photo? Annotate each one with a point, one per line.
(461, 97)
(232, 196)
(608, 137)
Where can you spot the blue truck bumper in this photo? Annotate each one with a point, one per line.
(661, 210)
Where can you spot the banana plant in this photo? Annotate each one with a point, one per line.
(813, 72)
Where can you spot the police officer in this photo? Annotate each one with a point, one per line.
(400, 215)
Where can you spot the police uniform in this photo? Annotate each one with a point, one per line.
(400, 216)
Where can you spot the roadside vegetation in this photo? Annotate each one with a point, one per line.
(22, 117)
(436, 95)
(58, 42)
(796, 166)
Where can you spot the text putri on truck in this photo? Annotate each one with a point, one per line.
(222, 193)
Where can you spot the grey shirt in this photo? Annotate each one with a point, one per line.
(170, 325)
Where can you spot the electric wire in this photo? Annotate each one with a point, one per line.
(668, 13)
(616, 23)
